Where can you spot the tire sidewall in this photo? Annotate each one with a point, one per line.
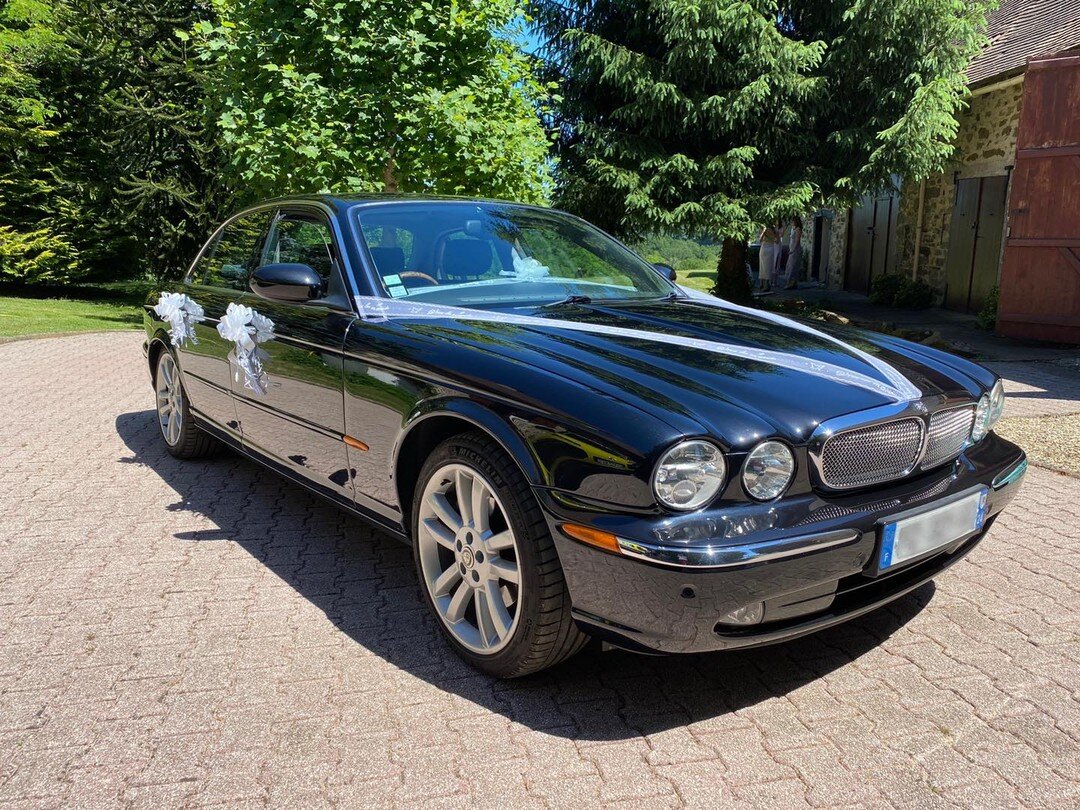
(464, 450)
(185, 413)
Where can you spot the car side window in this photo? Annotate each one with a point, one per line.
(297, 238)
(230, 260)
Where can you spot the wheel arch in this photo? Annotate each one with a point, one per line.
(439, 421)
(158, 343)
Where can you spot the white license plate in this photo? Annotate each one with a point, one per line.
(912, 537)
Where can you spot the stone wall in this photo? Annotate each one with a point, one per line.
(834, 276)
(985, 147)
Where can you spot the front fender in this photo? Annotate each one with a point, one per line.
(551, 454)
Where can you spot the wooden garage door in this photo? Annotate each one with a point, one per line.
(1040, 273)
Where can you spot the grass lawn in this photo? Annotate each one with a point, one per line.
(697, 279)
(28, 311)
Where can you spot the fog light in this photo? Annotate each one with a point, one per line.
(747, 614)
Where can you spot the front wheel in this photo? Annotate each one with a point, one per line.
(487, 561)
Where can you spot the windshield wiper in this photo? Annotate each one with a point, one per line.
(570, 299)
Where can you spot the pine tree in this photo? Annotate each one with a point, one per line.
(107, 167)
(373, 95)
(710, 118)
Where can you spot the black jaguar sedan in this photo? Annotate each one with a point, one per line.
(574, 445)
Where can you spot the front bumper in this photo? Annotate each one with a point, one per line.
(811, 561)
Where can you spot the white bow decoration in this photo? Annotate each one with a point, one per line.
(181, 313)
(246, 329)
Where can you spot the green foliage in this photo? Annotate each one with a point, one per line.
(373, 95)
(683, 254)
(31, 245)
(988, 314)
(35, 255)
(106, 167)
(900, 291)
(707, 118)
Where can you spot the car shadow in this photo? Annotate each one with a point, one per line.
(363, 581)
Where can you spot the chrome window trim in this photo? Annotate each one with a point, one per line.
(276, 206)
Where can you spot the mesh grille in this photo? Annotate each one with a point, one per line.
(871, 455)
(949, 430)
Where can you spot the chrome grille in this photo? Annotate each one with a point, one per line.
(949, 431)
(871, 455)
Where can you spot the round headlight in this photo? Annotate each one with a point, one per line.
(982, 415)
(997, 403)
(689, 475)
(768, 470)
(988, 411)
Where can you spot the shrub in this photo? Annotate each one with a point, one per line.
(884, 289)
(902, 292)
(914, 295)
(989, 312)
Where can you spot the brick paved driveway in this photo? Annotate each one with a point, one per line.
(200, 633)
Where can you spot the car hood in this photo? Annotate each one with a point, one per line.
(735, 373)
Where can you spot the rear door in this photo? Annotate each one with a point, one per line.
(295, 416)
(218, 278)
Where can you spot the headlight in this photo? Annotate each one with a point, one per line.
(997, 403)
(768, 470)
(988, 411)
(689, 475)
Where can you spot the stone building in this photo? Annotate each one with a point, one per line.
(949, 229)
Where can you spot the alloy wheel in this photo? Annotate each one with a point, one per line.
(170, 399)
(469, 558)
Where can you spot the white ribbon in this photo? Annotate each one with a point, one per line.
(246, 329)
(898, 388)
(181, 313)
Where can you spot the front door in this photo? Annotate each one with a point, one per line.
(978, 220)
(293, 414)
(218, 278)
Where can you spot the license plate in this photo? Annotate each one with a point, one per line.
(912, 537)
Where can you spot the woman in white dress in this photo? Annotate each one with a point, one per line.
(794, 256)
(769, 240)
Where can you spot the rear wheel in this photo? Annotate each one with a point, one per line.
(182, 436)
(487, 561)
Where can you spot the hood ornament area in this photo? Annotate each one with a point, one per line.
(246, 329)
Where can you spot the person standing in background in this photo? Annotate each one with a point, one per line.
(769, 240)
(794, 253)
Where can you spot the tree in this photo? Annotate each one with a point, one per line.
(373, 95)
(31, 246)
(710, 118)
(107, 167)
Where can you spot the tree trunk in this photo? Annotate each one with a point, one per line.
(389, 173)
(732, 282)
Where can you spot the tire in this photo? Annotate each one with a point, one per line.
(183, 439)
(541, 632)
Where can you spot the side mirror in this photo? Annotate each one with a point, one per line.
(666, 270)
(287, 282)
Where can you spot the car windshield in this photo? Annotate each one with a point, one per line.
(477, 254)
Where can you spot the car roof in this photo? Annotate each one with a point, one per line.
(346, 201)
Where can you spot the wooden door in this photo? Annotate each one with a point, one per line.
(971, 266)
(1040, 273)
(860, 247)
(871, 240)
(987, 258)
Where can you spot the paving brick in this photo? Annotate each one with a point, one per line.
(205, 634)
